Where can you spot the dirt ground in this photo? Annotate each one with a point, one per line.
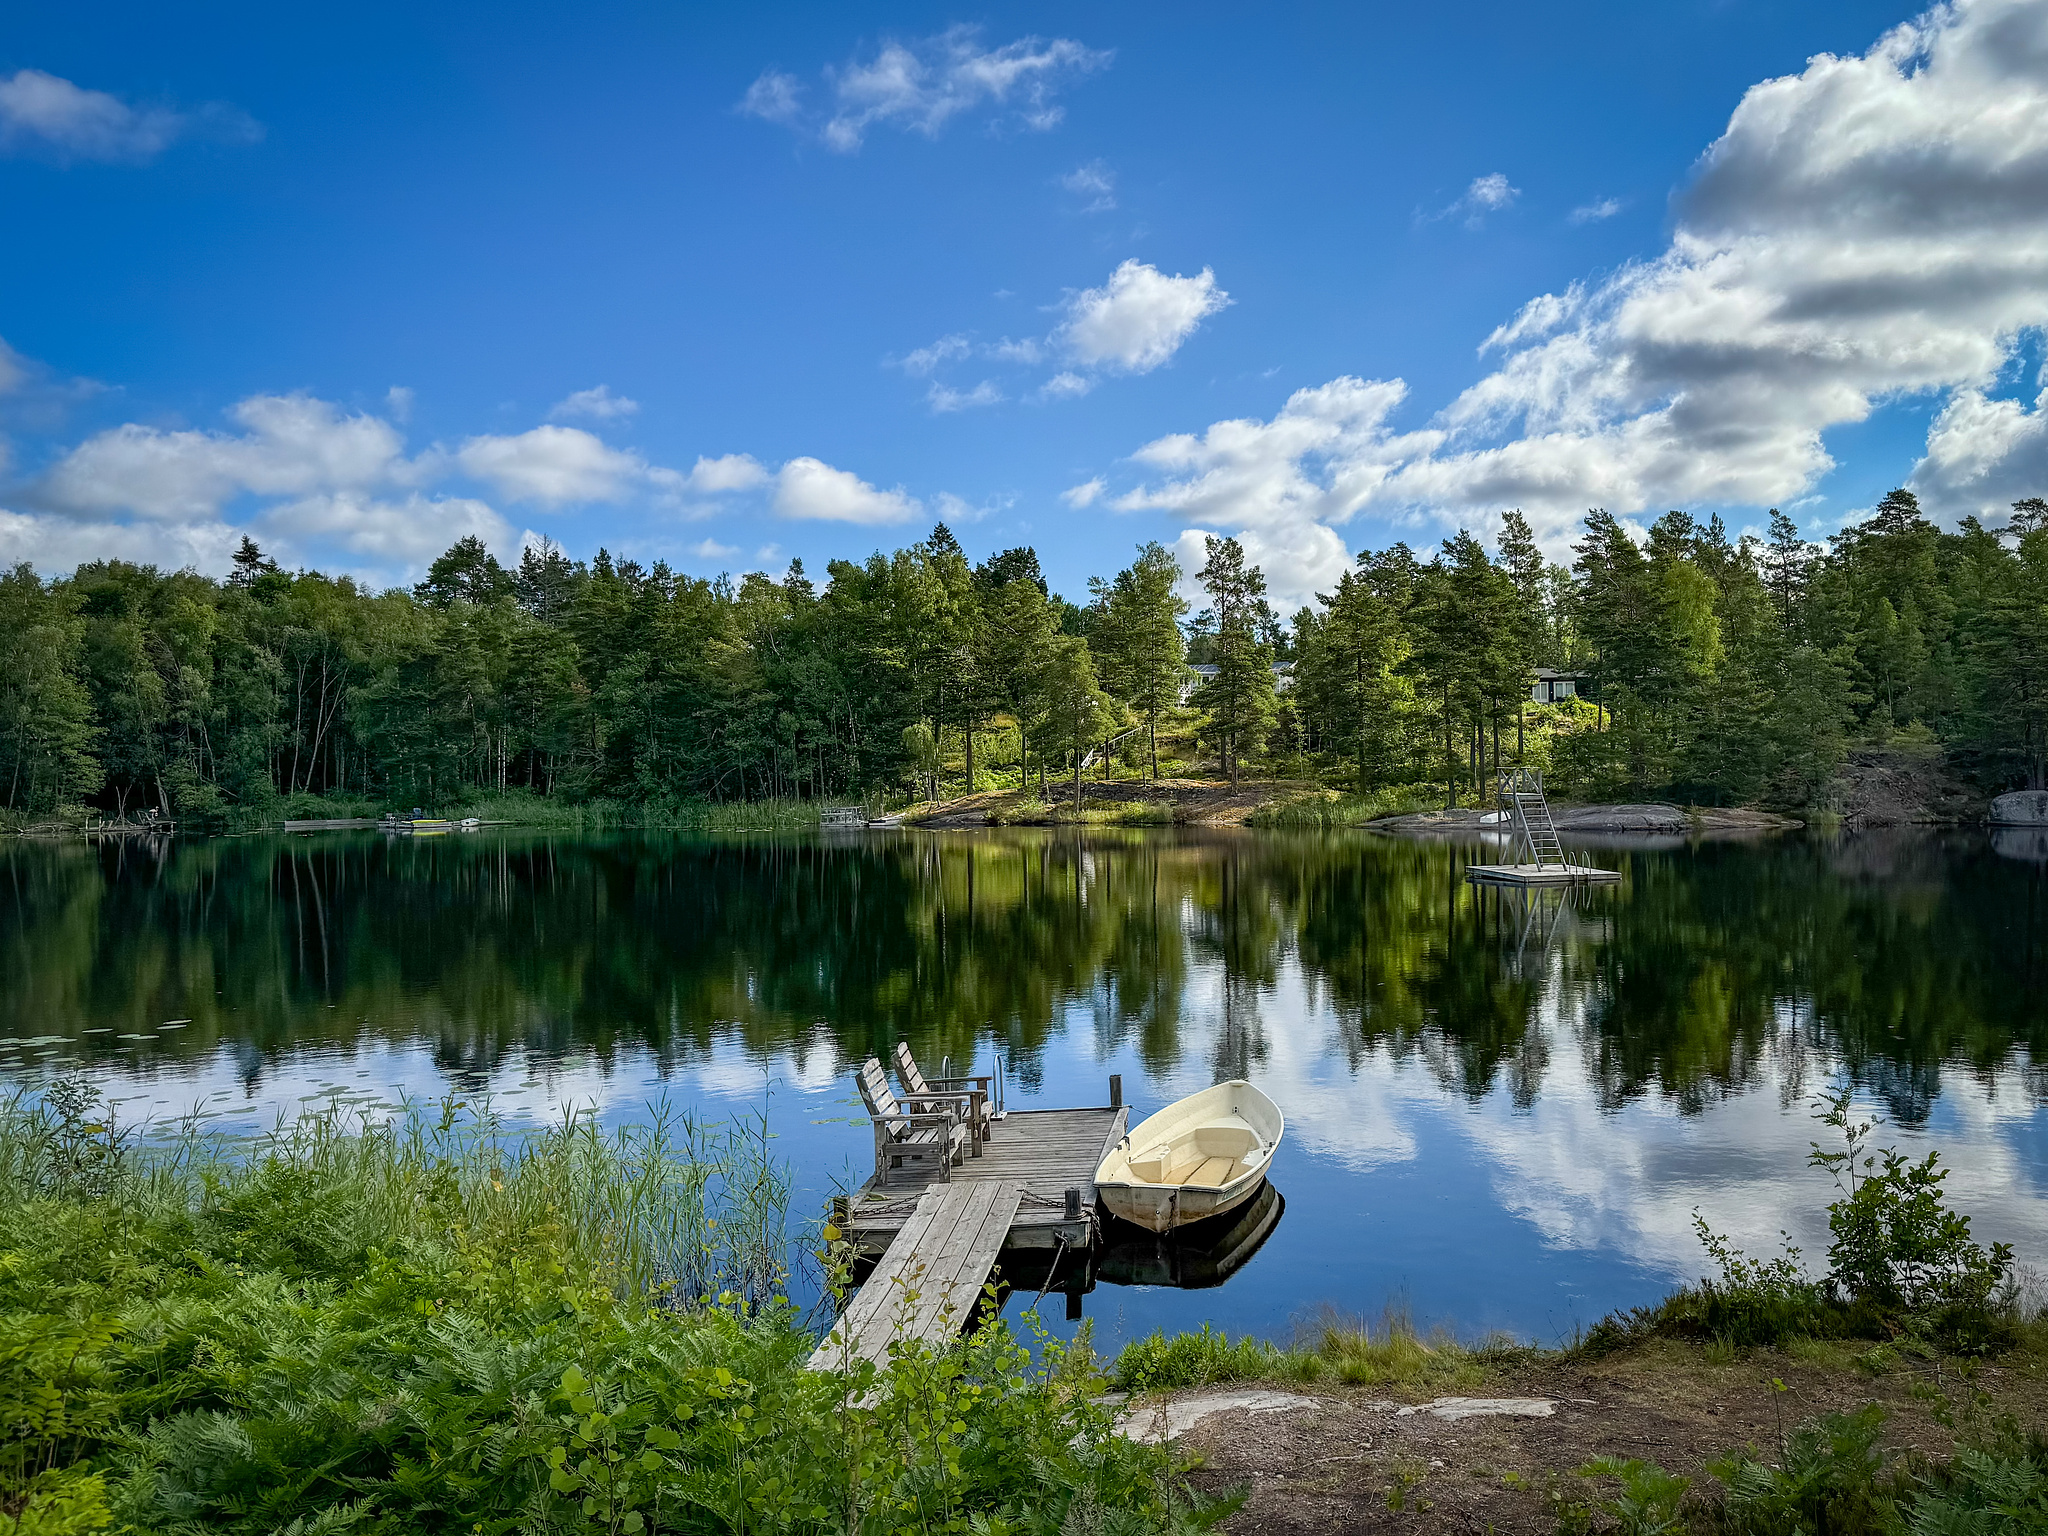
(1197, 802)
(1353, 1462)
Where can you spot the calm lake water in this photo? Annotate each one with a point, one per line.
(1501, 1113)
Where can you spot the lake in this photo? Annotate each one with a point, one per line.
(1502, 1111)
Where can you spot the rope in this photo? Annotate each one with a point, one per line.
(1051, 1270)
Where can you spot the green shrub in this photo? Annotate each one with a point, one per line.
(1829, 1477)
(1901, 1262)
(1166, 1362)
(1651, 1501)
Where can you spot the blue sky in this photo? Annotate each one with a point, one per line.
(362, 285)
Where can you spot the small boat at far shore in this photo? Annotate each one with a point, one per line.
(1200, 1157)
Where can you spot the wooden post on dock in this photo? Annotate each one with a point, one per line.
(1116, 1090)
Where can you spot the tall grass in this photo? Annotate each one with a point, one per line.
(523, 808)
(1330, 1349)
(1328, 808)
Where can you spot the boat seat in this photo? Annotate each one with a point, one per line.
(1216, 1171)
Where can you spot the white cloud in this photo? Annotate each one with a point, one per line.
(398, 401)
(922, 85)
(394, 535)
(1095, 184)
(600, 404)
(43, 112)
(1594, 212)
(941, 399)
(958, 510)
(293, 444)
(1065, 385)
(775, 97)
(811, 489)
(1487, 194)
(53, 542)
(1138, 319)
(1871, 227)
(711, 549)
(1028, 351)
(921, 362)
(1086, 494)
(728, 472)
(554, 466)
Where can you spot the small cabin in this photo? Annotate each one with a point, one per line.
(1554, 687)
(1200, 672)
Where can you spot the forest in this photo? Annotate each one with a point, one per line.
(1709, 669)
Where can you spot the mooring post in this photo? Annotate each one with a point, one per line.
(1073, 1212)
(842, 1208)
(1116, 1090)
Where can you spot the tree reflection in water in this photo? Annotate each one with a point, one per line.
(1899, 956)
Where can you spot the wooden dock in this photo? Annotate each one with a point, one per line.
(939, 1239)
(1047, 1151)
(1540, 874)
(928, 1284)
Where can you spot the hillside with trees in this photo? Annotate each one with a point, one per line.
(1708, 669)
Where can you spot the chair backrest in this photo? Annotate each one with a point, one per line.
(907, 1069)
(875, 1091)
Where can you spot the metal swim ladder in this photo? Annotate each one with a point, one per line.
(1522, 789)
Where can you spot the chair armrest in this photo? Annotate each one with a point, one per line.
(958, 1082)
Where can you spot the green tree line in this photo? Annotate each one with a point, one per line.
(1717, 670)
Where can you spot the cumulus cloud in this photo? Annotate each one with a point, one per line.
(600, 404)
(1871, 227)
(1095, 184)
(941, 399)
(1065, 385)
(554, 466)
(920, 362)
(54, 542)
(1487, 194)
(728, 472)
(401, 534)
(1086, 494)
(1594, 212)
(47, 114)
(775, 98)
(711, 549)
(922, 85)
(290, 445)
(812, 489)
(1138, 319)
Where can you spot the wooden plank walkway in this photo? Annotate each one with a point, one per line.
(928, 1285)
(1045, 1151)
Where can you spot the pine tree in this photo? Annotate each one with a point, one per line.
(1238, 700)
(1139, 637)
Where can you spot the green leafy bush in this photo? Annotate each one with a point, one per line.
(1900, 1261)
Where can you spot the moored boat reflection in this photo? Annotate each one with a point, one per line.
(1193, 1257)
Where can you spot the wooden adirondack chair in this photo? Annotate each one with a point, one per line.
(904, 1139)
(968, 1094)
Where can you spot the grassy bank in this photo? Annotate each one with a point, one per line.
(434, 1325)
(1321, 810)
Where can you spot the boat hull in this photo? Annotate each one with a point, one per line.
(1197, 1159)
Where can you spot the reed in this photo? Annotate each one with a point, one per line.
(1326, 809)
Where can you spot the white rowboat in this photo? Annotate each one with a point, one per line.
(1195, 1159)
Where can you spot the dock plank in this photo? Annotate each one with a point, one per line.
(926, 1285)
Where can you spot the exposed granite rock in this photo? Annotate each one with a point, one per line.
(2021, 808)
